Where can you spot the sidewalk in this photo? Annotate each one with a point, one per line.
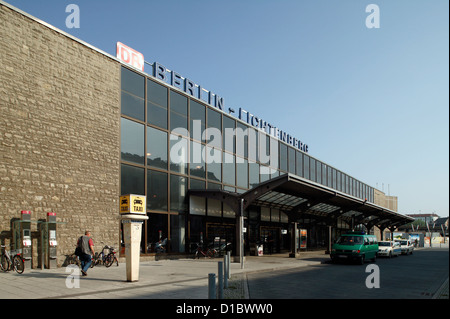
(164, 279)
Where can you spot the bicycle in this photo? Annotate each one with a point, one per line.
(15, 263)
(106, 259)
(73, 259)
(112, 257)
(210, 252)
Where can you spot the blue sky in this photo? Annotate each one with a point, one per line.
(373, 103)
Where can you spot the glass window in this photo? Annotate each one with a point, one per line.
(214, 134)
(253, 169)
(329, 177)
(229, 131)
(197, 162)
(132, 82)
(132, 180)
(177, 233)
(338, 181)
(156, 93)
(214, 164)
(178, 154)
(214, 207)
(299, 161)
(291, 165)
(229, 169)
(214, 119)
(306, 166)
(156, 148)
(264, 173)
(132, 141)
(265, 214)
(319, 172)
(283, 157)
(178, 111)
(156, 104)
(242, 172)
(132, 106)
(214, 185)
(312, 169)
(157, 230)
(197, 205)
(132, 96)
(241, 140)
(324, 174)
(157, 190)
(274, 153)
(264, 148)
(156, 115)
(178, 189)
(198, 113)
(275, 215)
(197, 184)
(252, 144)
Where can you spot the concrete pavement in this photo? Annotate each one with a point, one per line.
(164, 279)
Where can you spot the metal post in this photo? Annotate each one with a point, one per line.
(329, 240)
(220, 278)
(211, 286)
(241, 234)
(226, 270)
(228, 266)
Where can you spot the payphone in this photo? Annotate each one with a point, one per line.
(49, 242)
(21, 237)
(52, 243)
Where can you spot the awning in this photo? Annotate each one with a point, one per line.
(301, 198)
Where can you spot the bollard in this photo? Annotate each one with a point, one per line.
(226, 269)
(220, 277)
(228, 264)
(211, 286)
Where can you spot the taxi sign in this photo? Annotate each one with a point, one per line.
(132, 204)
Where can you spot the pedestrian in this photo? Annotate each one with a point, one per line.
(87, 251)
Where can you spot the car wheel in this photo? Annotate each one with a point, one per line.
(361, 260)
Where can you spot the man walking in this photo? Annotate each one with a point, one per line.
(87, 251)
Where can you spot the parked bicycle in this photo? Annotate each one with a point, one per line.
(9, 262)
(112, 255)
(73, 259)
(106, 257)
(210, 252)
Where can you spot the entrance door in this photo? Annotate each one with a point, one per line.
(270, 237)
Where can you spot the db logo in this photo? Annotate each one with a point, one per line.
(130, 56)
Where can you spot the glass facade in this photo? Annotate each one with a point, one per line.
(171, 142)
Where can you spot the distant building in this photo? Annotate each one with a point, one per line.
(427, 218)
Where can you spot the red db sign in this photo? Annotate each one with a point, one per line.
(130, 56)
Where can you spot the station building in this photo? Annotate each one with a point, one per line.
(80, 127)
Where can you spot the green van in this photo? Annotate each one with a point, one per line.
(356, 246)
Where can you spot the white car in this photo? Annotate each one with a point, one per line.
(406, 245)
(389, 249)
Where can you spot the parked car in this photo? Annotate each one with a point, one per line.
(356, 246)
(406, 245)
(389, 249)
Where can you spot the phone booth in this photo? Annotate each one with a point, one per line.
(49, 243)
(21, 237)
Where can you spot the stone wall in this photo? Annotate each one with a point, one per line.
(59, 133)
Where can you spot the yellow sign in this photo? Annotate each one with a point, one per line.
(132, 204)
